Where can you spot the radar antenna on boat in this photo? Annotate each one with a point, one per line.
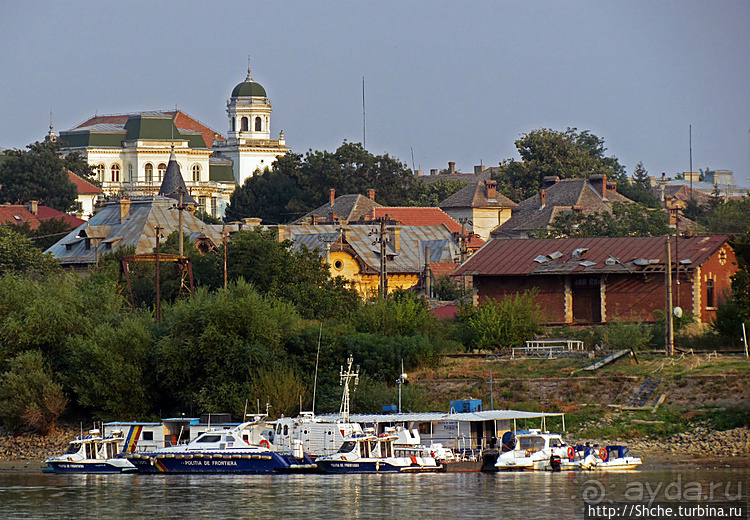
(346, 377)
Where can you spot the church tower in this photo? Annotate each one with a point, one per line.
(249, 144)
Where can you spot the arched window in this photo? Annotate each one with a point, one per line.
(115, 171)
(99, 168)
(162, 171)
(149, 173)
(258, 124)
(196, 173)
(710, 296)
(244, 125)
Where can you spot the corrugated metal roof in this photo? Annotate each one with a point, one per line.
(409, 258)
(517, 257)
(488, 415)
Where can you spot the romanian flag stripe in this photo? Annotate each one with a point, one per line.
(132, 439)
(159, 464)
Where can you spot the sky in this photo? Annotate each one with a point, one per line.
(443, 80)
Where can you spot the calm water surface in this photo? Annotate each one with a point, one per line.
(459, 495)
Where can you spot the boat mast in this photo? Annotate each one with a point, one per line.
(345, 378)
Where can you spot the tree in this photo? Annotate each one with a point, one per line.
(430, 195)
(626, 220)
(19, 255)
(297, 185)
(37, 174)
(546, 152)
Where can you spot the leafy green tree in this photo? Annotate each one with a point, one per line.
(402, 315)
(18, 254)
(546, 152)
(500, 325)
(430, 195)
(37, 174)
(626, 220)
(29, 395)
(297, 185)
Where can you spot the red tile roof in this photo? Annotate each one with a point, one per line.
(442, 268)
(84, 187)
(46, 213)
(420, 216)
(595, 255)
(18, 214)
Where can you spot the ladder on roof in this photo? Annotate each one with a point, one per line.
(643, 394)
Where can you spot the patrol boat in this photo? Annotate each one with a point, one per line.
(91, 454)
(226, 450)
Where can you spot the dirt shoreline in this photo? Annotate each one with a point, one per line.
(650, 462)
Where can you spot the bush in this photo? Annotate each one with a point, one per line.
(728, 320)
(494, 325)
(29, 396)
(618, 335)
(400, 315)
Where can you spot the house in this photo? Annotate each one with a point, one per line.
(596, 280)
(127, 221)
(558, 197)
(480, 205)
(130, 152)
(88, 195)
(341, 209)
(352, 254)
(34, 214)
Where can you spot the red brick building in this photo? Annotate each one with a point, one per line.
(595, 280)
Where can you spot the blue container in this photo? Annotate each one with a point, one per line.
(390, 408)
(466, 405)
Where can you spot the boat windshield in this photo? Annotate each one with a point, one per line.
(209, 438)
(347, 446)
(531, 443)
(554, 442)
(73, 448)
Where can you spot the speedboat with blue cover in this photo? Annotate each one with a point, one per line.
(608, 458)
(91, 453)
(221, 451)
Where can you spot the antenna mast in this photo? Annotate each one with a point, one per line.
(345, 378)
(364, 117)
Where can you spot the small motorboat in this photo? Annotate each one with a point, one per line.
(91, 454)
(608, 458)
(371, 453)
(536, 450)
(226, 450)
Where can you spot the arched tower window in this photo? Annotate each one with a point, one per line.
(99, 168)
(196, 173)
(258, 124)
(162, 171)
(115, 172)
(149, 173)
(231, 125)
(244, 127)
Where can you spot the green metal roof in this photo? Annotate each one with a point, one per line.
(220, 172)
(249, 89)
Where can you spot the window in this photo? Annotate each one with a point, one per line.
(149, 173)
(202, 203)
(231, 125)
(244, 127)
(710, 293)
(130, 172)
(338, 265)
(209, 438)
(115, 171)
(99, 168)
(258, 124)
(148, 436)
(213, 206)
(162, 171)
(196, 173)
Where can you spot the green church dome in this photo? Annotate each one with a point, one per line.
(249, 89)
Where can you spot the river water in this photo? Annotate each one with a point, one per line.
(539, 495)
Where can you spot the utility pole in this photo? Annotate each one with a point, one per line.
(158, 291)
(492, 396)
(224, 243)
(382, 239)
(180, 209)
(669, 333)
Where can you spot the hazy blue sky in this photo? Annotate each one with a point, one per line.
(451, 80)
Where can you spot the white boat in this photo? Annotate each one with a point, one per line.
(317, 436)
(536, 450)
(609, 458)
(91, 454)
(224, 450)
(371, 453)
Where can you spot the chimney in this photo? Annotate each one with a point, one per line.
(479, 168)
(346, 232)
(282, 232)
(599, 182)
(543, 197)
(433, 171)
(396, 239)
(491, 189)
(252, 222)
(550, 180)
(371, 194)
(452, 167)
(33, 207)
(124, 207)
(332, 196)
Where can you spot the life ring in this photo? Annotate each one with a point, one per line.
(603, 454)
(265, 444)
(571, 452)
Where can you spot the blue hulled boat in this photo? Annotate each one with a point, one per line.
(91, 454)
